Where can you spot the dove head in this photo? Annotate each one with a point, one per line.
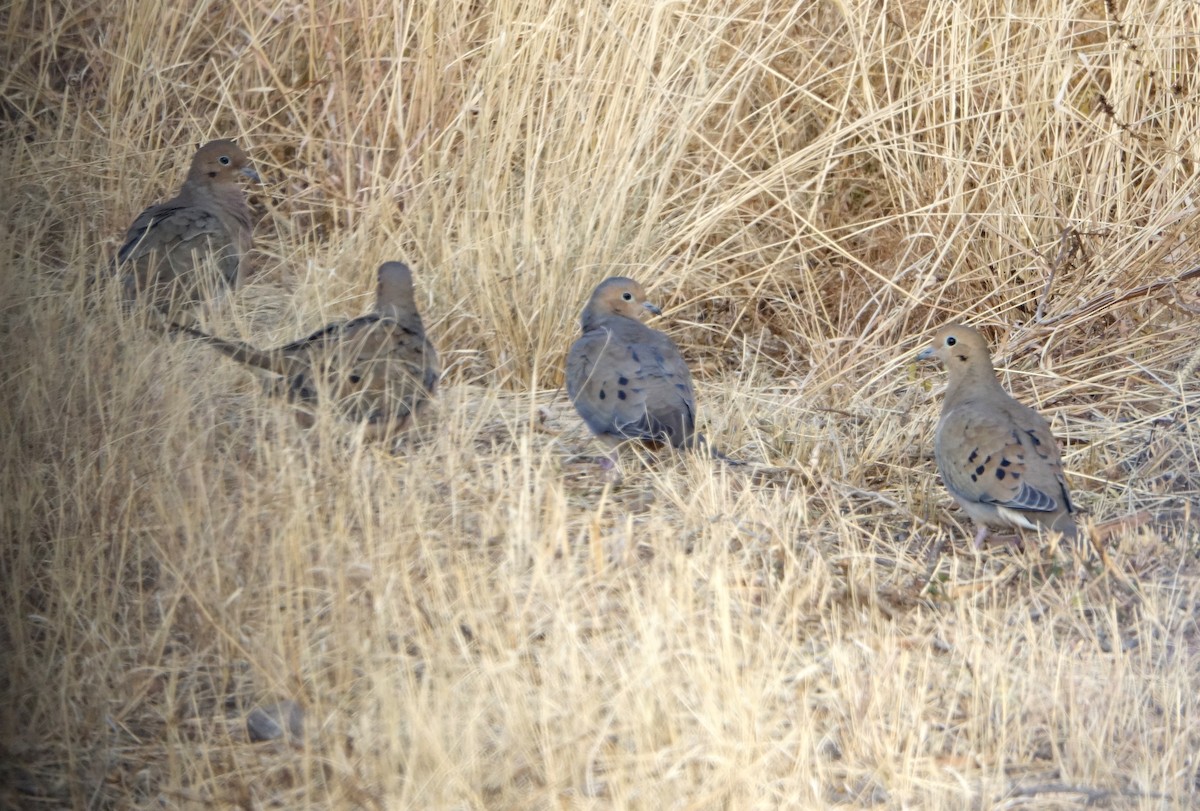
(620, 297)
(394, 290)
(220, 162)
(962, 350)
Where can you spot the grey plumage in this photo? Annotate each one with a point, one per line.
(379, 368)
(162, 257)
(997, 457)
(627, 380)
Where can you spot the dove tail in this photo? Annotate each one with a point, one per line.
(243, 353)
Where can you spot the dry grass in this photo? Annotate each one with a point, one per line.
(477, 621)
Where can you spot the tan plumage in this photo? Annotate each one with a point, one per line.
(379, 368)
(997, 457)
(164, 250)
(628, 381)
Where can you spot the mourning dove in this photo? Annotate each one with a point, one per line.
(997, 457)
(165, 248)
(628, 381)
(378, 368)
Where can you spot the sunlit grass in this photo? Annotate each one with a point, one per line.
(476, 620)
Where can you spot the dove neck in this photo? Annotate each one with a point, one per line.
(591, 320)
(224, 197)
(402, 313)
(395, 300)
(970, 381)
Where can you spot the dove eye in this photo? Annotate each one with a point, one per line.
(951, 341)
(627, 296)
(223, 160)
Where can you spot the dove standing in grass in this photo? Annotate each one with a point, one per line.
(997, 457)
(163, 256)
(628, 381)
(378, 368)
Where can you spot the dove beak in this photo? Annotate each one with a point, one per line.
(652, 307)
(249, 172)
(925, 354)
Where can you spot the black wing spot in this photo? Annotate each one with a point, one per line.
(602, 394)
(974, 478)
(1000, 474)
(621, 394)
(356, 378)
(974, 455)
(978, 471)
(623, 380)
(1005, 462)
